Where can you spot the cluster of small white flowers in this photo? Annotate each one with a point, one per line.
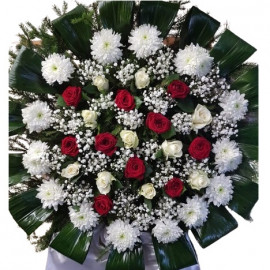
(56, 158)
(167, 208)
(148, 150)
(132, 119)
(222, 127)
(182, 123)
(157, 100)
(120, 162)
(105, 102)
(209, 87)
(161, 65)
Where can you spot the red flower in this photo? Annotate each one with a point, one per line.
(158, 122)
(69, 146)
(178, 89)
(103, 204)
(72, 95)
(199, 148)
(174, 187)
(106, 143)
(135, 168)
(124, 100)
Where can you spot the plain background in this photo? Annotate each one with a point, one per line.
(244, 248)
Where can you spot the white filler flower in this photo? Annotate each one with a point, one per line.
(194, 212)
(220, 190)
(122, 235)
(234, 105)
(193, 61)
(37, 116)
(84, 218)
(51, 194)
(35, 159)
(145, 40)
(56, 68)
(167, 231)
(106, 46)
(227, 155)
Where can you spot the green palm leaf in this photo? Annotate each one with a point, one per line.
(16, 126)
(17, 173)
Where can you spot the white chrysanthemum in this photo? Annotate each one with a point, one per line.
(106, 46)
(37, 116)
(57, 68)
(85, 219)
(234, 105)
(227, 155)
(145, 40)
(167, 231)
(194, 212)
(220, 190)
(35, 160)
(51, 194)
(122, 235)
(193, 61)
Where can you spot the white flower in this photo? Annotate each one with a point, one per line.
(145, 40)
(220, 190)
(142, 79)
(148, 191)
(106, 46)
(35, 159)
(89, 118)
(37, 116)
(104, 180)
(84, 218)
(234, 105)
(198, 179)
(71, 170)
(167, 231)
(56, 68)
(101, 83)
(122, 235)
(172, 149)
(193, 61)
(194, 212)
(227, 155)
(51, 194)
(129, 138)
(201, 117)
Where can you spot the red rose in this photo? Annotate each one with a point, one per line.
(199, 148)
(105, 142)
(174, 187)
(72, 95)
(124, 100)
(178, 89)
(158, 122)
(135, 168)
(103, 204)
(69, 146)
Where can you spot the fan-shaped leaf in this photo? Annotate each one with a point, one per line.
(17, 173)
(250, 151)
(16, 126)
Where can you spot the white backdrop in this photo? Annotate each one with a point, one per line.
(244, 248)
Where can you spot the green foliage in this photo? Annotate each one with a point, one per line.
(61, 102)
(186, 105)
(138, 102)
(169, 79)
(148, 203)
(92, 90)
(169, 134)
(17, 172)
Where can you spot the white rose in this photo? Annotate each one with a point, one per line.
(142, 79)
(172, 149)
(198, 179)
(89, 118)
(129, 138)
(101, 83)
(104, 180)
(148, 191)
(71, 170)
(201, 117)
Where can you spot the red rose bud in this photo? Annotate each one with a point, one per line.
(102, 204)
(124, 100)
(69, 146)
(106, 143)
(174, 187)
(72, 95)
(199, 148)
(178, 89)
(135, 168)
(158, 122)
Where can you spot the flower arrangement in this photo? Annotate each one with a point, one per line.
(114, 124)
